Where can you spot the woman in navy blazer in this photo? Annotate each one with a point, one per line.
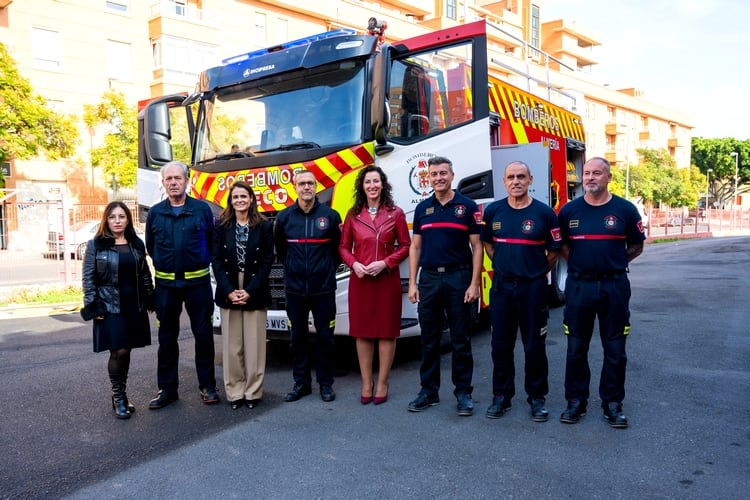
(241, 259)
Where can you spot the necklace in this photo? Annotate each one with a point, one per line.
(372, 210)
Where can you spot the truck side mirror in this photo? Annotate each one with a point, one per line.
(158, 134)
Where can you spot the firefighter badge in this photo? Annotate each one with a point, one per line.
(322, 223)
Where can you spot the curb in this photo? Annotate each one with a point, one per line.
(35, 311)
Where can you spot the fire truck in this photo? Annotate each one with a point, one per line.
(335, 102)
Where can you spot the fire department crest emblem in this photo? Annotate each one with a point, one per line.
(527, 226)
(321, 223)
(610, 222)
(419, 181)
(460, 210)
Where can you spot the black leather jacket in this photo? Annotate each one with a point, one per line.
(101, 290)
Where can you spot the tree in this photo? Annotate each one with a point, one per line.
(28, 127)
(118, 154)
(656, 179)
(716, 154)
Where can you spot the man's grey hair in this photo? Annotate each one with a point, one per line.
(603, 160)
(439, 160)
(175, 163)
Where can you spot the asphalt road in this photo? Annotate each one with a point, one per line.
(687, 401)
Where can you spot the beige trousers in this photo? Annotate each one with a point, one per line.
(243, 340)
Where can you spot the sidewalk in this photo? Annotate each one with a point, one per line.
(35, 311)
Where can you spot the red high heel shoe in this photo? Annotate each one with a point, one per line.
(367, 399)
(377, 400)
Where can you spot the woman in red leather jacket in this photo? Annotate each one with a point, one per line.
(374, 241)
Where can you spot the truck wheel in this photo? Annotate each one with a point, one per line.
(557, 287)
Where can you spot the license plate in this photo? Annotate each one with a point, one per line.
(277, 324)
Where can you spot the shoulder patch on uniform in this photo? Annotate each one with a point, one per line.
(573, 223)
(478, 217)
(496, 226)
(556, 234)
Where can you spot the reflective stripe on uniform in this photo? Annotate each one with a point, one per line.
(188, 275)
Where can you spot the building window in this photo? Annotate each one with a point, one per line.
(450, 9)
(119, 61)
(176, 7)
(181, 59)
(55, 105)
(282, 30)
(119, 6)
(46, 49)
(259, 29)
(534, 34)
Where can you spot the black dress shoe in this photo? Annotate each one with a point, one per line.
(498, 407)
(252, 403)
(162, 399)
(299, 391)
(236, 404)
(538, 412)
(209, 396)
(465, 405)
(327, 394)
(573, 413)
(423, 402)
(614, 415)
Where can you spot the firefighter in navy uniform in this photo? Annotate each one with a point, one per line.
(447, 248)
(522, 237)
(179, 235)
(307, 236)
(601, 234)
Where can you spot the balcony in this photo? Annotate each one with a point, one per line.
(644, 135)
(613, 129)
(416, 7)
(672, 142)
(185, 21)
(439, 23)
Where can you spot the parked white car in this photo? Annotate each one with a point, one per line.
(77, 239)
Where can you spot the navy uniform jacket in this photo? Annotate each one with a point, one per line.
(180, 245)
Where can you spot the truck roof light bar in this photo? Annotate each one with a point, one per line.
(288, 45)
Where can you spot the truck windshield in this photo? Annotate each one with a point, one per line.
(305, 109)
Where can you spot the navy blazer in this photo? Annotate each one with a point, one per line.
(258, 261)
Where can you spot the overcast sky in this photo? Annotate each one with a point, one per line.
(689, 55)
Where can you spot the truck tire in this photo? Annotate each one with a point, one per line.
(557, 285)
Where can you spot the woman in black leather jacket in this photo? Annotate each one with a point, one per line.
(241, 259)
(117, 292)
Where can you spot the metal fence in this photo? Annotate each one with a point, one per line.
(41, 242)
(34, 236)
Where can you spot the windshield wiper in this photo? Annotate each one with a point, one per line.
(228, 156)
(293, 146)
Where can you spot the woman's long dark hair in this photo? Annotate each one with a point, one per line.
(228, 215)
(104, 232)
(360, 197)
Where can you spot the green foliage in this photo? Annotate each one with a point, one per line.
(27, 126)
(716, 154)
(657, 180)
(43, 295)
(118, 153)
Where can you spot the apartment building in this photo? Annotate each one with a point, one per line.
(74, 50)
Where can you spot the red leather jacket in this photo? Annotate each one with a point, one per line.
(366, 240)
